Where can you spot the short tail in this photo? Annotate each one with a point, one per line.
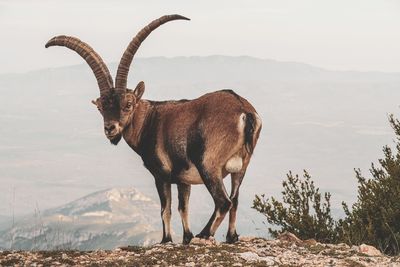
(251, 131)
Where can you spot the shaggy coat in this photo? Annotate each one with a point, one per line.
(184, 142)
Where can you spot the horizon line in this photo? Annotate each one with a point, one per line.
(210, 56)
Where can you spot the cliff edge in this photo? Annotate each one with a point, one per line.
(286, 250)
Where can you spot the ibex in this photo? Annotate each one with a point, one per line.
(184, 142)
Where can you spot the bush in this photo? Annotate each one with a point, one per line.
(373, 219)
(375, 216)
(303, 212)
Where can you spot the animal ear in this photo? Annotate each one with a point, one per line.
(94, 102)
(139, 90)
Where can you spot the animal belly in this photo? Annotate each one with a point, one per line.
(191, 176)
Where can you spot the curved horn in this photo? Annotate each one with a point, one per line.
(95, 62)
(126, 60)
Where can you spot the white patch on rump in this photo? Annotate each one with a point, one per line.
(242, 119)
(258, 118)
(234, 164)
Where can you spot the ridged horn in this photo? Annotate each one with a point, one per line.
(126, 60)
(95, 62)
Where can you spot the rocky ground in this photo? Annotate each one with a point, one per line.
(287, 250)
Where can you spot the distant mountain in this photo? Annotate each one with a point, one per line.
(216, 68)
(105, 220)
(53, 150)
(102, 220)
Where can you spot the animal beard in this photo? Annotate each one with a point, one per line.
(116, 139)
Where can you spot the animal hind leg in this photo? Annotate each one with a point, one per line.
(183, 208)
(222, 203)
(164, 192)
(236, 178)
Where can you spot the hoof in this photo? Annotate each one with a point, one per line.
(203, 236)
(232, 238)
(187, 237)
(166, 240)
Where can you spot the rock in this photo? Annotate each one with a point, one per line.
(354, 248)
(310, 242)
(369, 250)
(148, 252)
(269, 261)
(207, 242)
(254, 257)
(246, 238)
(343, 245)
(249, 256)
(289, 237)
(248, 252)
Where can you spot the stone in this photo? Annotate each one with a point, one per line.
(369, 250)
(354, 248)
(206, 242)
(246, 238)
(254, 252)
(249, 256)
(289, 237)
(310, 242)
(254, 257)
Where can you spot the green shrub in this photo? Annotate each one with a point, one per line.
(373, 219)
(303, 210)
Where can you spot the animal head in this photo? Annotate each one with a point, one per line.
(117, 108)
(117, 104)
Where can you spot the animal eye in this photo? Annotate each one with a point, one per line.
(128, 106)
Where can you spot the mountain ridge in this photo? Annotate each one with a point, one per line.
(116, 216)
(214, 58)
(53, 149)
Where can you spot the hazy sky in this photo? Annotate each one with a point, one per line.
(340, 34)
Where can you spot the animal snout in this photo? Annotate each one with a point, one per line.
(110, 129)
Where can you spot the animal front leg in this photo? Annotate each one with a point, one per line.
(232, 235)
(183, 207)
(164, 192)
(222, 205)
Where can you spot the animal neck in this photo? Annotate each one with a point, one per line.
(133, 132)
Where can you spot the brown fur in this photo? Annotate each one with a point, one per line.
(163, 134)
(181, 142)
(215, 114)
